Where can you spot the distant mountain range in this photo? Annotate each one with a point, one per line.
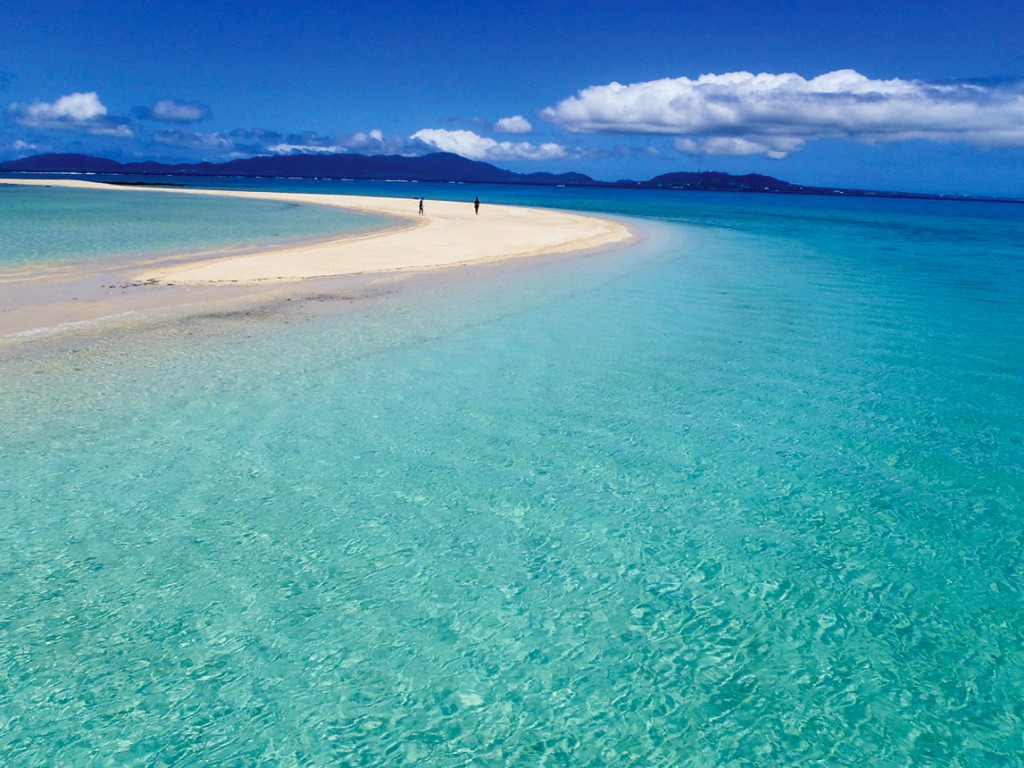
(440, 166)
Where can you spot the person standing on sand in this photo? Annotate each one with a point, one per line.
(421, 206)
(476, 206)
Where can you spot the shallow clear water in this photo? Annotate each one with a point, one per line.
(41, 226)
(750, 492)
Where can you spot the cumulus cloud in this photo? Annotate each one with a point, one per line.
(171, 111)
(366, 140)
(77, 111)
(476, 147)
(76, 107)
(514, 124)
(742, 113)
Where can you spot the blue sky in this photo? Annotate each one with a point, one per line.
(914, 96)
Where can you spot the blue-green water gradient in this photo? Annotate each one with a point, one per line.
(49, 226)
(747, 493)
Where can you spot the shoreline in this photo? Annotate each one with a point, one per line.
(449, 234)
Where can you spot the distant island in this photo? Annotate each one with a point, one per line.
(437, 167)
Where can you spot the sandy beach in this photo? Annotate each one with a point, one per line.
(446, 235)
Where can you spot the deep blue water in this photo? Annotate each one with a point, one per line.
(750, 492)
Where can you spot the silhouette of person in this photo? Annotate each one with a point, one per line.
(421, 206)
(476, 206)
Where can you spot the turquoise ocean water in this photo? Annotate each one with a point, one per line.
(750, 492)
(42, 226)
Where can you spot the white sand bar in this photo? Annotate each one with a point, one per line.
(90, 296)
(449, 233)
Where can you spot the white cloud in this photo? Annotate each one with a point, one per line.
(475, 147)
(76, 111)
(775, 147)
(75, 107)
(514, 124)
(115, 129)
(375, 142)
(361, 140)
(305, 149)
(171, 111)
(743, 113)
